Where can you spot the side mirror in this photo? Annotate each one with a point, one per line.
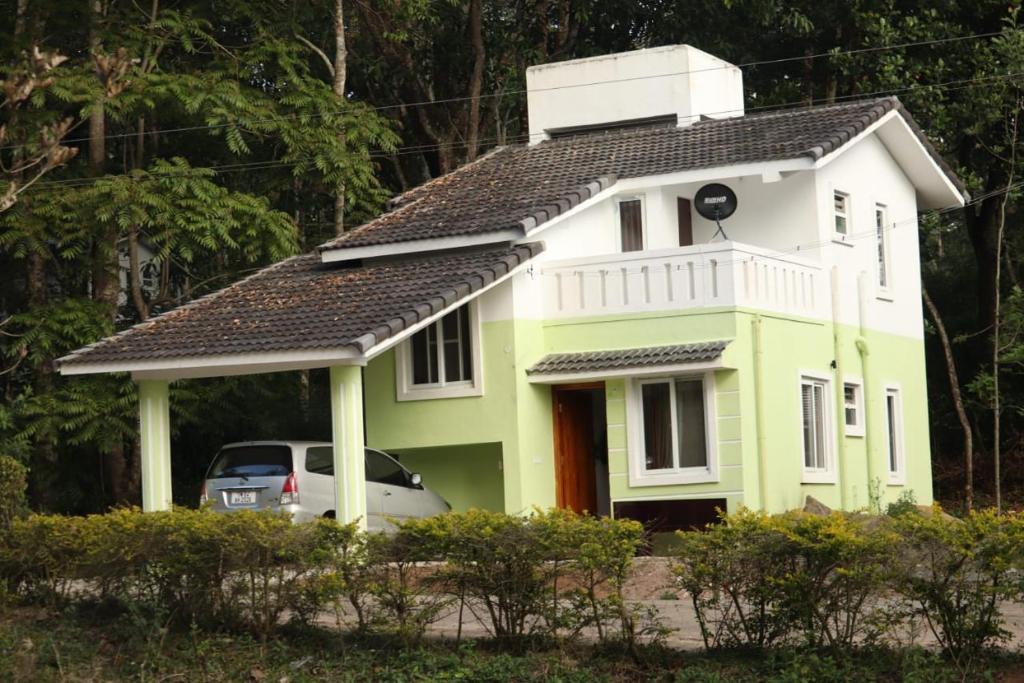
(415, 479)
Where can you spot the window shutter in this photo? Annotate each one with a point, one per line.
(685, 222)
(807, 401)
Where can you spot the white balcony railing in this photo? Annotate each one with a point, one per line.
(704, 275)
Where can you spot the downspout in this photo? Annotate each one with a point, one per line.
(837, 362)
(862, 349)
(759, 421)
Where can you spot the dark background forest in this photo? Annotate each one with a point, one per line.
(221, 136)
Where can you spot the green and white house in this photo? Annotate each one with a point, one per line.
(554, 324)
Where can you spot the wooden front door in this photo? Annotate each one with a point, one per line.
(576, 486)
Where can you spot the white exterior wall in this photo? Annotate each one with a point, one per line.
(791, 216)
(870, 176)
(776, 215)
(674, 80)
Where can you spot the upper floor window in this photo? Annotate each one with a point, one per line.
(631, 224)
(841, 212)
(816, 430)
(894, 429)
(672, 440)
(442, 359)
(882, 240)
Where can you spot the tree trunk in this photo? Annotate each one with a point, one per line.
(105, 282)
(958, 401)
(340, 58)
(997, 323)
(476, 39)
(135, 274)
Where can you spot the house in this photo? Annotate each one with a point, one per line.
(556, 324)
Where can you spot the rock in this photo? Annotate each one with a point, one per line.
(813, 506)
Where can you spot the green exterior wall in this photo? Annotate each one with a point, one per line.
(466, 476)
(512, 412)
(513, 419)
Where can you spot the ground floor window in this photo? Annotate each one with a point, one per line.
(815, 425)
(672, 440)
(894, 435)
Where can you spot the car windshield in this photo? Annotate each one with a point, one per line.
(252, 461)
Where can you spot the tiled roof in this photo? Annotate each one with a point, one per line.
(519, 187)
(627, 359)
(303, 304)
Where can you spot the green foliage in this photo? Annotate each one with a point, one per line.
(758, 581)
(13, 483)
(240, 571)
(547, 575)
(958, 573)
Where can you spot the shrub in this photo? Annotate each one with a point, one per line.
(497, 566)
(406, 602)
(242, 570)
(731, 573)
(13, 482)
(549, 574)
(759, 580)
(956, 573)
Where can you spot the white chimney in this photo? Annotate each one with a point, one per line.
(658, 83)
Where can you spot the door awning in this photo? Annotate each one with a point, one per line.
(559, 368)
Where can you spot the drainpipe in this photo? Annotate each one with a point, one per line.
(759, 421)
(837, 352)
(862, 349)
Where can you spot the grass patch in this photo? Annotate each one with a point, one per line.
(91, 644)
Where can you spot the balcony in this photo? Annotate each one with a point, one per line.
(723, 274)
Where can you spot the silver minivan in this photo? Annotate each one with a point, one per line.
(298, 477)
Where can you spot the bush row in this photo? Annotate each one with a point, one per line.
(843, 580)
(547, 575)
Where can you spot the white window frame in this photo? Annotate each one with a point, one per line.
(884, 243)
(407, 391)
(897, 477)
(643, 222)
(639, 475)
(826, 475)
(856, 429)
(846, 213)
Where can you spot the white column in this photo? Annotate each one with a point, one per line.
(347, 436)
(155, 439)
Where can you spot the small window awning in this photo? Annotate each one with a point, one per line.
(559, 368)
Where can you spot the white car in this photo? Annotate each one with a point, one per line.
(298, 477)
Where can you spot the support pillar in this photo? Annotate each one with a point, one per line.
(347, 437)
(155, 440)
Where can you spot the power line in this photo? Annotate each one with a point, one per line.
(452, 100)
(419, 149)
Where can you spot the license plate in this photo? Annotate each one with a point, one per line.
(243, 497)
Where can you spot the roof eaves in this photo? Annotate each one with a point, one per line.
(930, 148)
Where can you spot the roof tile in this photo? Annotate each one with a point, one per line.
(522, 186)
(302, 304)
(620, 359)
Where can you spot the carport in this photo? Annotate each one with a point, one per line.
(298, 314)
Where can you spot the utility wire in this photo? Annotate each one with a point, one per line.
(503, 93)
(419, 149)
